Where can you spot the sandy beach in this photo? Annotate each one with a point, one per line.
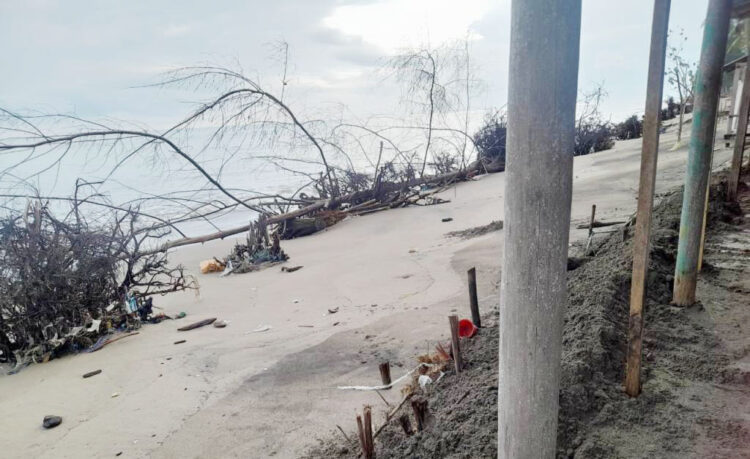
(394, 277)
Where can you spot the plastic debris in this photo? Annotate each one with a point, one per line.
(211, 266)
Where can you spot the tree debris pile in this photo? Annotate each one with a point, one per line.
(259, 250)
(63, 281)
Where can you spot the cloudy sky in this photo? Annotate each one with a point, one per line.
(88, 57)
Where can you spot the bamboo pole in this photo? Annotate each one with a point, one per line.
(542, 90)
(649, 158)
(707, 86)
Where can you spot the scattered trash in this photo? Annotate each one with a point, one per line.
(95, 325)
(51, 421)
(291, 269)
(412, 251)
(221, 323)
(306, 326)
(424, 381)
(388, 386)
(334, 310)
(115, 394)
(180, 341)
(447, 219)
(229, 269)
(466, 328)
(260, 328)
(295, 301)
(180, 315)
(336, 323)
(211, 266)
(92, 373)
(103, 341)
(201, 323)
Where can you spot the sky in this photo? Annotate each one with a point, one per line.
(91, 58)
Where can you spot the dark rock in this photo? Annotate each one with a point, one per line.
(51, 421)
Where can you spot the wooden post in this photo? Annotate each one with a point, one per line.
(739, 139)
(361, 435)
(370, 453)
(591, 230)
(405, 424)
(707, 86)
(542, 91)
(473, 301)
(420, 410)
(453, 321)
(385, 373)
(649, 156)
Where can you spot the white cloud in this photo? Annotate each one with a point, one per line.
(394, 24)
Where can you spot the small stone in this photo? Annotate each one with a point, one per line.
(51, 421)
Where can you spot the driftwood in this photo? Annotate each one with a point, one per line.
(198, 324)
(598, 224)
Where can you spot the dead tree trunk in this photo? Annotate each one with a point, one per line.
(542, 90)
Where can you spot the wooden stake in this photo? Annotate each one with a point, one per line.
(453, 321)
(361, 434)
(473, 301)
(370, 452)
(649, 155)
(385, 373)
(591, 229)
(419, 407)
(405, 424)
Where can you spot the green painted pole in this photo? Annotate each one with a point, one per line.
(707, 86)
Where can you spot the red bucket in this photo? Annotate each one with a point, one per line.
(466, 328)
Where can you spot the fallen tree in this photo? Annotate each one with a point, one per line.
(388, 194)
(64, 281)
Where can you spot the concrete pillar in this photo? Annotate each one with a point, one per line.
(707, 87)
(544, 48)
